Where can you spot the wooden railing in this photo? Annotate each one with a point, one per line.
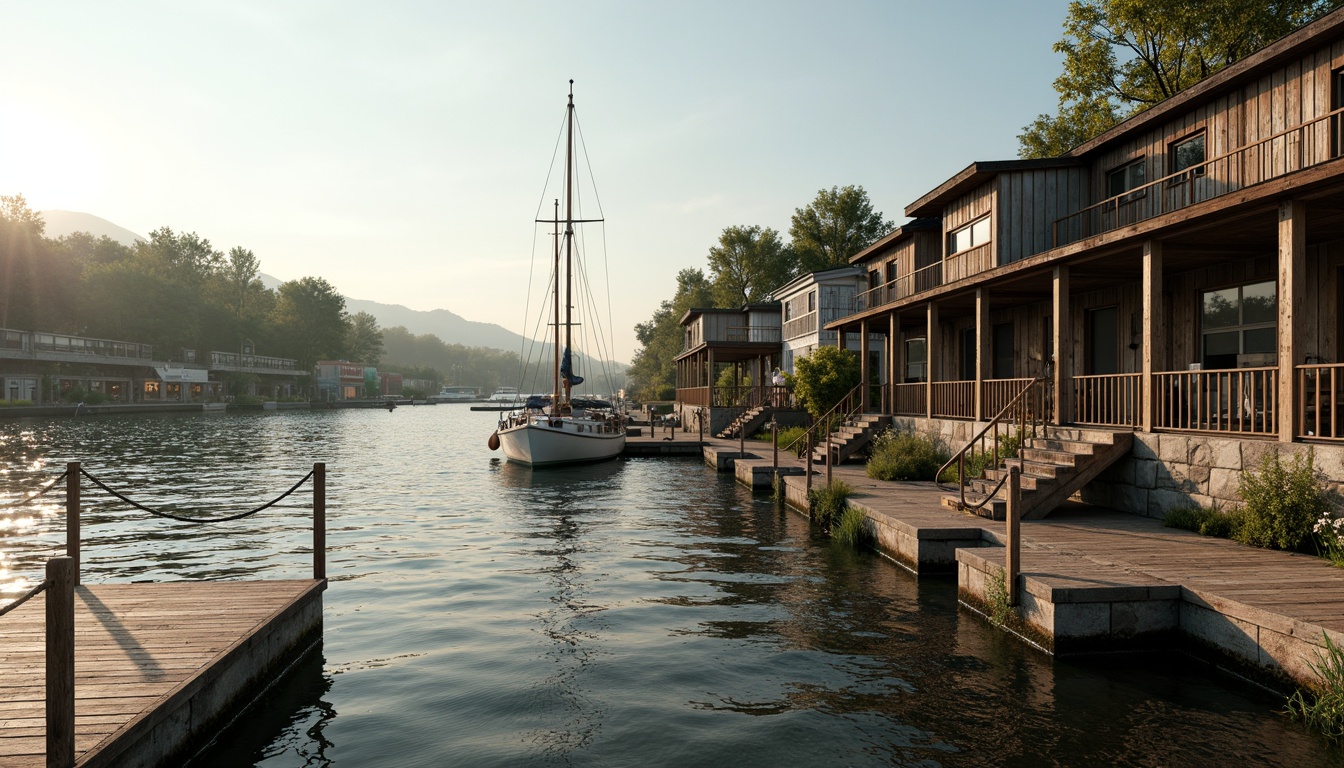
(748, 333)
(1113, 399)
(911, 399)
(1321, 398)
(953, 399)
(1294, 149)
(693, 396)
(995, 394)
(1239, 400)
(745, 396)
(820, 430)
(1026, 411)
(800, 326)
(892, 291)
(971, 261)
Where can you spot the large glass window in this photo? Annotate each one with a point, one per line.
(1239, 326)
(1004, 353)
(975, 234)
(1188, 153)
(916, 361)
(1126, 177)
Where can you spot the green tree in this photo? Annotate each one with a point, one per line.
(310, 321)
(652, 373)
(747, 264)
(364, 341)
(824, 377)
(839, 223)
(1123, 56)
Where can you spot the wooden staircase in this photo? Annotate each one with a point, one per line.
(852, 437)
(1054, 466)
(748, 422)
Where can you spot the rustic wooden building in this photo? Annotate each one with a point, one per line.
(1180, 276)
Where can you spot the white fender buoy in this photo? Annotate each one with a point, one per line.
(493, 442)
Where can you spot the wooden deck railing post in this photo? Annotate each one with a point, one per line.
(774, 438)
(1013, 557)
(829, 458)
(60, 599)
(809, 460)
(72, 535)
(319, 521)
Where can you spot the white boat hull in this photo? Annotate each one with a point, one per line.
(538, 444)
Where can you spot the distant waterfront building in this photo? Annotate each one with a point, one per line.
(344, 380)
(809, 302)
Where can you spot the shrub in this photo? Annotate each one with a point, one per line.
(1209, 522)
(1282, 503)
(1322, 709)
(978, 461)
(827, 502)
(12, 403)
(1329, 532)
(73, 395)
(904, 456)
(824, 377)
(852, 528)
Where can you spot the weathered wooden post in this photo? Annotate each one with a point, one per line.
(1013, 557)
(774, 438)
(741, 438)
(60, 599)
(829, 458)
(809, 460)
(320, 520)
(72, 514)
(700, 421)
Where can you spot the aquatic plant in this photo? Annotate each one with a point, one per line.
(852, 528)
(1321, 707)
(1282, 503)
(826, 502)
(904, 456)
(996, 598)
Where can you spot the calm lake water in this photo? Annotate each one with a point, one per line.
(633, 613)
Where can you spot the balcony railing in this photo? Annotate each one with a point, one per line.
(996, 394)
(749, 333)
(1241, 400)
(952, 399)
(235, 360)
(1320, 409)
(800, 326)
(1289, 151)
(61, 344)
(910, 399)
(920, 280)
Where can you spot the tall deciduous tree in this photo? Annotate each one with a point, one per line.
(747, 264)
(310, 321)
(839, 223)
(364, 341)
(1123, 56)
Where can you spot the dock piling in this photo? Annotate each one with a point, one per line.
(72, 515)
(319, 520)
(1013, 556)
(61, 578)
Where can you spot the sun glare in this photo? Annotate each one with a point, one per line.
(48, 160)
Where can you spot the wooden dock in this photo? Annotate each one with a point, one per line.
(157, 666)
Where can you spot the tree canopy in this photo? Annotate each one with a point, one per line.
(1123, 56)
(747, 264)
(837, 224)
(652, 373)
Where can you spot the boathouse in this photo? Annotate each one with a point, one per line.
(1179, 278)
(727, 362)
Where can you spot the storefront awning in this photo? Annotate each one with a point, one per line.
(185, 375)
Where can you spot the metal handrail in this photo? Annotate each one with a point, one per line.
(1015, 405)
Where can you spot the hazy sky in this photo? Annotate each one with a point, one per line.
(400, 149)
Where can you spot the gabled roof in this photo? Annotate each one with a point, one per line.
(903, 232)
(815, 277)
(974, 175)
(758, 307)
(1314, 35)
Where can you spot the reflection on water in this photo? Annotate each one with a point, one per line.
(625, 613)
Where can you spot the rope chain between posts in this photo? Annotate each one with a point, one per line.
(197, 520)
(30, 594)
(40, 493)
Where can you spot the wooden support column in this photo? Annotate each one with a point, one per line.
(60, 653)
(981, 353)
(864, 375)
(1061, 328)
(930, 355)
(1154, 330)
(1292, 318)
(893, 344)
(840, 339)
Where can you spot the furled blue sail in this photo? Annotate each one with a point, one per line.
(567, 370)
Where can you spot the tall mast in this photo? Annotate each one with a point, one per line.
(555, 372)
(569, 231)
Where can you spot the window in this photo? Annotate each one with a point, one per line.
(1240, 325)
(812, 301)
(1126, 177)
(970, 236)
(1188, 153)
(1336, 101)
(916, 361)
(788, 313)
(891, 271)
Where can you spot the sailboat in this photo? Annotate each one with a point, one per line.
(561, 429)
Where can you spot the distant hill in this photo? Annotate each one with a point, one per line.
(62, 223)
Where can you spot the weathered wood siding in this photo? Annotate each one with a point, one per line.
(966, 209)
(1030, 202)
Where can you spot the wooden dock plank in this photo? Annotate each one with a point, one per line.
(136, 647)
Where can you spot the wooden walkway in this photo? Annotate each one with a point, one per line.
(141, 651)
